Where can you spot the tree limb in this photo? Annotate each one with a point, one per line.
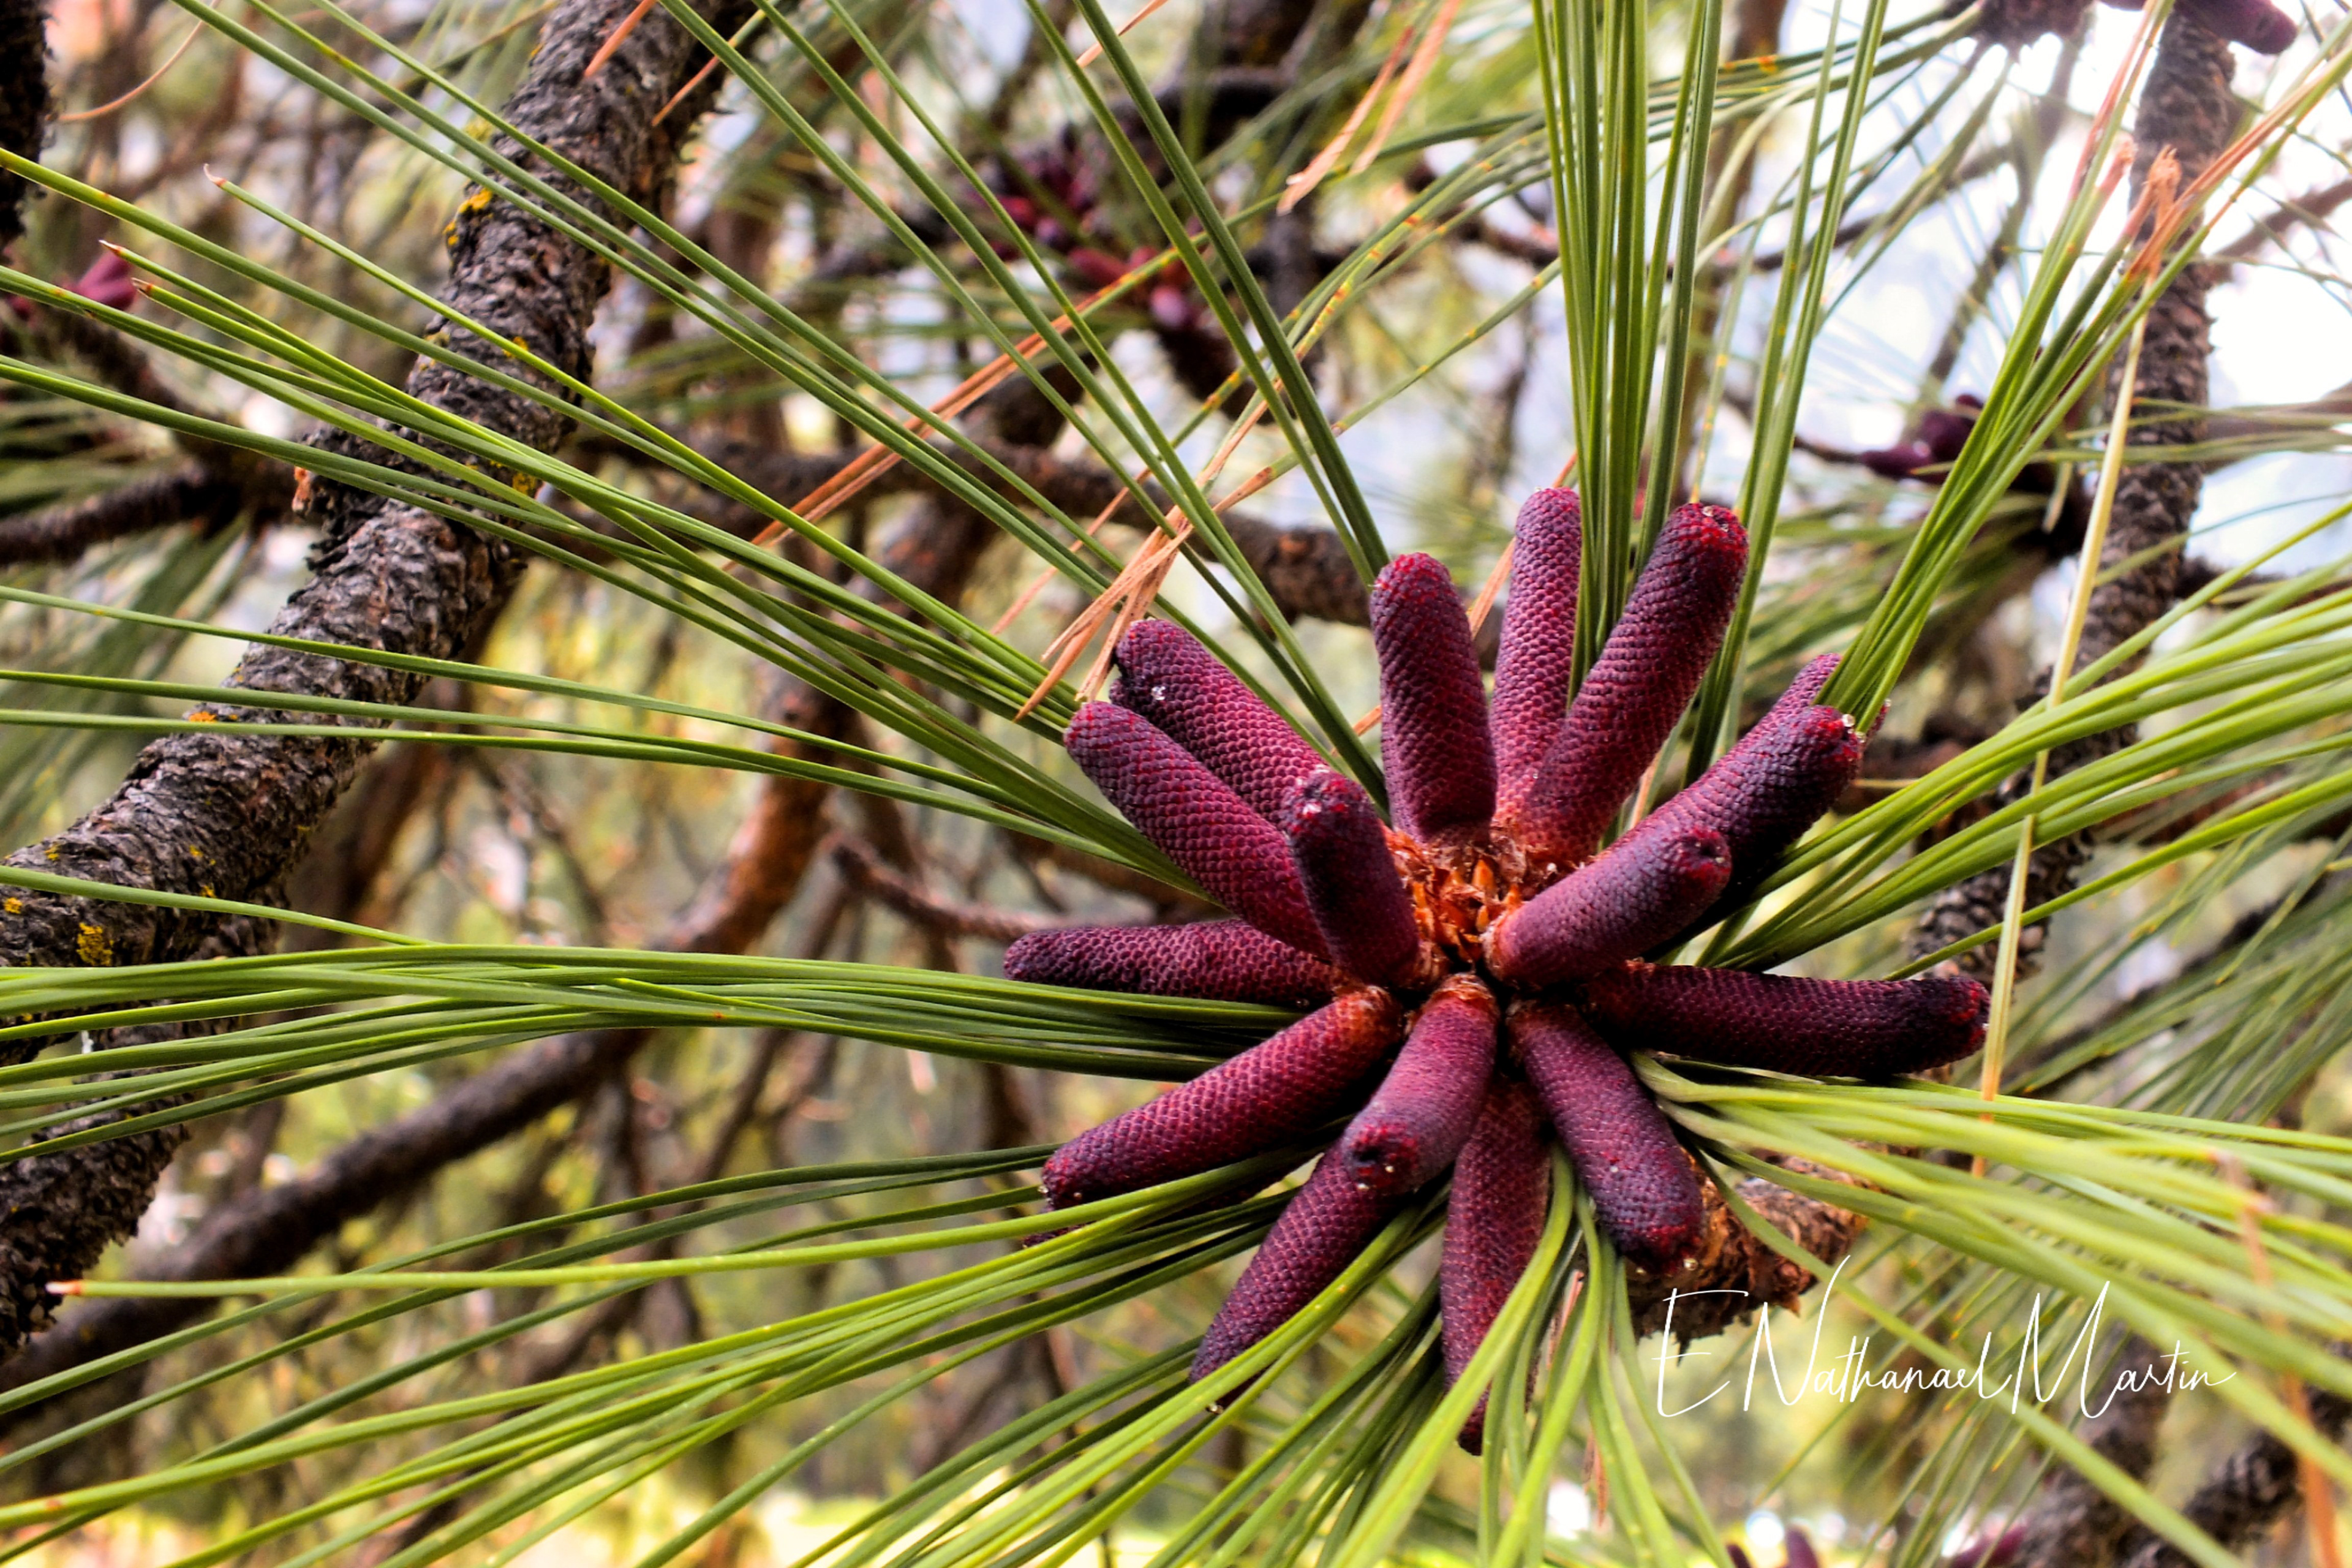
(2187, 106)
(268, 1230)
(24, 101)
(230, 815)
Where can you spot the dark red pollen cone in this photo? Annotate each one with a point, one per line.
(1166, 674)
(1536, 660)
(1217, 961)
(1237, 855)
(1268, 1095)
(1845, 1028)
(1328, 1222)
(1434, 747)
(1359, 903)
(1766, 791)
(1637, 690)
(1643, 892)
(1414, 1124)
(1644, 1190)
(1494, 1219)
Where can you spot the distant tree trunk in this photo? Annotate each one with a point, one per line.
(2185, 105)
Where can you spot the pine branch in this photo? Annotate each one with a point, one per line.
(268, 1230)
(65, 1209)
(937, 548)
(906, 895)
(24, 101)
(228, 816)
(2186, 106)
(186, 492)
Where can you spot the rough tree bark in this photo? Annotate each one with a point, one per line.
(227, 816)
(24, 101)
(2187, 106)
(64, 1210)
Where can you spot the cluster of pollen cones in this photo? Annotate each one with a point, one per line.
(1475, 962)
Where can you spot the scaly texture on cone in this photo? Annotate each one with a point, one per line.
(1493, 1221)
(1190, 696)
(1237, 855)
(1761, 798)
(1215, 960)
(1636, 690)
(1414, 1124)
(1434, 744)
(1483, 895)
(1330, 1221)
(1269, 1095)
(1536, 663)
(1645, 1191)
(1842, 1028)
(1359, 903)
(1616, 909)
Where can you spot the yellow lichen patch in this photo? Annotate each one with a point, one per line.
(196, 852)
(479, 201)
(94, 945)
(14, 905)
(203, 716)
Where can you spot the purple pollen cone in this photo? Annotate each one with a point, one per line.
(1637, 690)
(1415, 1122)
(1645, 1192)
(1643, 892)
(1359, 903)
(1214, 960)
(1239, 857)
(1328, 1222)
(1494, 1220)
(1166, 674)
(1766, 791)
(1536, 661)
(1847, 1028)
(1261, 1099)
(1434, 747)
